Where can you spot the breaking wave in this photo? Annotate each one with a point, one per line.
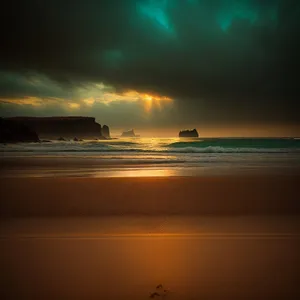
(195, 146)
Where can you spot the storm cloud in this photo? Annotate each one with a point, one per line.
(221, 61)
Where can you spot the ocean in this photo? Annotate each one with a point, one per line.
(138, 157)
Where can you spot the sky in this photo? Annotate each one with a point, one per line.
(226, 67)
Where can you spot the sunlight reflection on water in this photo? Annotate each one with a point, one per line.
(147, 172)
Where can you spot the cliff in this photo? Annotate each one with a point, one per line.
(129, 133)
(67, 127)
(189, 133)
(15, 132)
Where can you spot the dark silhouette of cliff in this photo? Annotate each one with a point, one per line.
(189, 133)
(15, 132)
(129, 133)
(66, 127)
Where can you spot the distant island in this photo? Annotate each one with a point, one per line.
(189, 133)
(129, 133)
(61, 128)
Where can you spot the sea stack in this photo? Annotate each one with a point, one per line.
(189, 133)
(105, 131)
(129, 133)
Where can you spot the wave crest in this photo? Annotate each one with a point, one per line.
(218, 149)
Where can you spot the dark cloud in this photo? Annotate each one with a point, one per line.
(226, 61)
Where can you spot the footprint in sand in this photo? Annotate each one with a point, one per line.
(160, 292)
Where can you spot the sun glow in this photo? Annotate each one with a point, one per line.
(73, 105)
(148, 97)
(149, 101)
(88, 99)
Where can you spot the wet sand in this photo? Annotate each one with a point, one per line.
(130, 268)
(118, 238)
(83, 197)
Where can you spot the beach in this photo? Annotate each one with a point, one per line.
(205, 218)
(131, 268)
(218, 237)
(227, 195)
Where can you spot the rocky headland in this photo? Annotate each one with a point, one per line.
(63, 127)
(14, 132)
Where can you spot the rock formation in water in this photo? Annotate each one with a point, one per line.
(189, 133)
(129, 133)
(105, 131)
(62, 127)
(76, 139)
(15, 132)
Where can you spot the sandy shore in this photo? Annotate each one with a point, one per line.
(81, 197)
(123, 268)
(204, 227)
(118, 238)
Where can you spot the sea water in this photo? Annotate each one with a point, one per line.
(151, 157)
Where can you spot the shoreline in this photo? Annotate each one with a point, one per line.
(148, 171)
(99, 165)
